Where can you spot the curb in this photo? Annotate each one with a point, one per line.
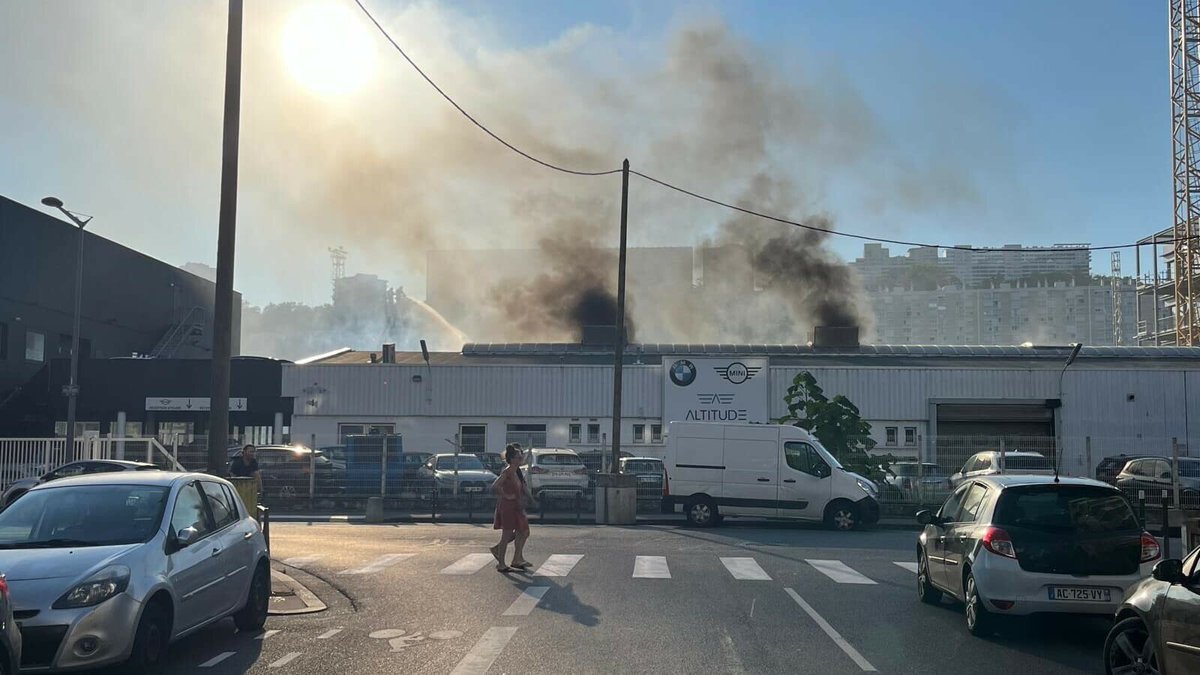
(311, 602)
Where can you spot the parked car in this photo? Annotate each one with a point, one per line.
(492, 461)
(763, 470)
(554, 469)
(1155, 476)
(1158, 624)
(1110, 467)
(1024, 544)
(458, 475)
(111, 568)
(926, 481)
(84, 467)
(993, 462)
(285, 471)
(650, 474)
(10, 635)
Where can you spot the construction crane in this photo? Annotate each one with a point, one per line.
(338, 257)
(1185, 131)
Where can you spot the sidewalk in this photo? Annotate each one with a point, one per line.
(289, 596)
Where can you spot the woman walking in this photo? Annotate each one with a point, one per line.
(510, 512)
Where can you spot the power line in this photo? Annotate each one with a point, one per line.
(468, 115)
(883, 240)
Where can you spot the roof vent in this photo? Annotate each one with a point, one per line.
(389, 352)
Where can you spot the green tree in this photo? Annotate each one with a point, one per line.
(837, 423)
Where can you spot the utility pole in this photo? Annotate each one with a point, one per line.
(619, 347)
(218, 416)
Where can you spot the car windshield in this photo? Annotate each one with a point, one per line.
(465, 463)
(559, 459)
(84, 515)
(1189, 469)
(1027, 462)
(644, 466)
(1065, 508)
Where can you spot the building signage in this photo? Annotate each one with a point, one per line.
(197, 404)
(716, 390)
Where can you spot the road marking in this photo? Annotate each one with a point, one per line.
(329, 633)
(833, 634)
(301, 561)
(379, 564)
(558, 565)
(266, 634)
(745, 568)
(528, 599)
(291, 656)
(840, 572)
(651, 567)
(484, 653)
(216, 659)
(910, 566)
(469, 564)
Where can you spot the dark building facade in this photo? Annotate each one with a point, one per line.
(132, 303)
(144, 397)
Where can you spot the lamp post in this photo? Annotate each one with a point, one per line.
(1058, 441)
(72, 388)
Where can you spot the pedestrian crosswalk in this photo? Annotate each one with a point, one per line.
(739, 568)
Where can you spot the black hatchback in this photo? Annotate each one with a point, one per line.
(1157, 627)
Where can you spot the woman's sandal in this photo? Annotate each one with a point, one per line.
(504, 569)
(524, 564)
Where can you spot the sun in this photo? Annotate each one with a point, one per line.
(327, 49)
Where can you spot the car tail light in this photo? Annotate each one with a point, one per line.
(1150, 548)
(997, 541)
(536, 469)
(3, 587)
(666, 484)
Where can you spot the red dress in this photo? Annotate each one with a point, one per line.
(510, 513)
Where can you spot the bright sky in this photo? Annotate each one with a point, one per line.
(1051, 119)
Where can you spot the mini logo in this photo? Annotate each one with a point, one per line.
(683, 372)
(714, 399)
(737, 372)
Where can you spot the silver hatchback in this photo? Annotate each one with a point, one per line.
(111, 568)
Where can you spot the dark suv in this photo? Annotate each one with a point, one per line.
(1109, 467)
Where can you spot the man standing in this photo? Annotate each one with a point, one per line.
(246, 466)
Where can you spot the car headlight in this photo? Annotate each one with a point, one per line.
(96, 589)
(867, 486)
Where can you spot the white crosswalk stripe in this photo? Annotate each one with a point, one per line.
(745, 568)
(840, 572)
(910, 566)
(266, 634)
(216, 659)
(484, 653)
(291, 656)
(469, 564)
(301, 561)
(558, 565)
(379, 564)
(329, 633)
(529, 599)
(651, 567)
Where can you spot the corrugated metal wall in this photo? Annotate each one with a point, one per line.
(500, 390)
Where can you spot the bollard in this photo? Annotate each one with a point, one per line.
(1166, 531)
(542, 506)
(264, 522)
(470, 507)
(578, 506)
(374, 509)
(433, 508)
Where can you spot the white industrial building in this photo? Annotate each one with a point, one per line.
(934, 400)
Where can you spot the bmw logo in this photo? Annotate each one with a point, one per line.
(683, 372)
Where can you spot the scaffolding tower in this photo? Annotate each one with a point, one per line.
(1185, 130)
(1115, 282)
(338, 257)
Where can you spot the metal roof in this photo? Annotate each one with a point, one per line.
(925, 351)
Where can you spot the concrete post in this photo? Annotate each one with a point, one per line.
(119, 433)
(277, 430)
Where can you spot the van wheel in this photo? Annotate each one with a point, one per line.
(842, 515)
(702, 512)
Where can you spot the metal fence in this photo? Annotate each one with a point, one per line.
(32, 457)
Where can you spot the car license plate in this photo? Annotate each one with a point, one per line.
(1080, 594)
(646, 479)
(473, 489)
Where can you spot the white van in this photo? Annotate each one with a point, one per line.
(761, 470)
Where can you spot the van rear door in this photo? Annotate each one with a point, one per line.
(751, 471)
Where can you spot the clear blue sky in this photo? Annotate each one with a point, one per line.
(1058, 112)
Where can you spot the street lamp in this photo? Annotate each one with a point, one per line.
(1058, 445)
(72, 388)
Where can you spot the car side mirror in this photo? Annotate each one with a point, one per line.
(187, 536)
(925, 517)
(1170, 571)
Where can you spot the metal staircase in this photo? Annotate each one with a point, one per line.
(191, 326)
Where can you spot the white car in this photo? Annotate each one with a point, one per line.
(992, 462)
(111, 568)
(1018, 545)
(554, 469)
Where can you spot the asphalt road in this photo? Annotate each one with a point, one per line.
(738, 599)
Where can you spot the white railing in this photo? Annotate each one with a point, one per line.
(32, 457)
